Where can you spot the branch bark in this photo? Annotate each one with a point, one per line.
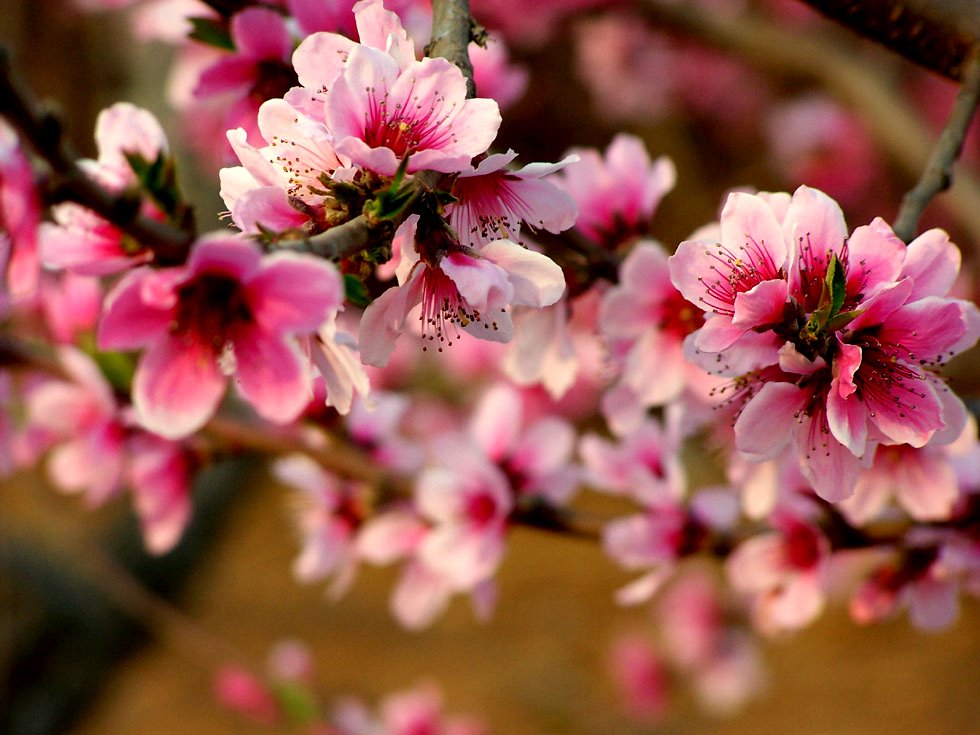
(938, 174)
(936, 34)
(452, 31)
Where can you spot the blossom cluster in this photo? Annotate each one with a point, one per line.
(439, 346)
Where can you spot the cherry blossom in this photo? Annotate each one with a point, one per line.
(80, 240)
(229, 308)
(19, 217)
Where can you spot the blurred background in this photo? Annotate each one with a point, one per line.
(541, 664)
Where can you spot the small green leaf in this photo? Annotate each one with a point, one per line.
(211, 32)
(355, 290)
(836, 285)
(297, 702)
(118, 368)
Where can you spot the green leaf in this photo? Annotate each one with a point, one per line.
(392, 201)
(118, 368)
(211, 32)
(835, 283)
(355, 290)
(297, 702)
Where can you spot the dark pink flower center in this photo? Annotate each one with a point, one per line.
(444, 311)
(734, 272)
(405, 127)
(802, 547)
(481, 508)
(211, 306)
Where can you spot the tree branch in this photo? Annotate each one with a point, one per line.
(862, 87)
(452, 30)
(938, 173)
(936, 34)
(43, 131)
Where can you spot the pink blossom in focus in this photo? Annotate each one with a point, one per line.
(229, 310)
(840, 383)
(494, 202)
(379, 114)
(463, 289)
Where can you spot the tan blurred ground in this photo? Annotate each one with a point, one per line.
(536, 668)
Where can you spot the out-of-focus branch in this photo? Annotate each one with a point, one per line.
(860, 86)
(938, 175)
(42, 130)
(452, 30)
(936, 34)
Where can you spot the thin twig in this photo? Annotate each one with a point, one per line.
(42, 129)
(938, 174)
(859, 85)
(452, 31)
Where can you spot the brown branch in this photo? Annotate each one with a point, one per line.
(863, 87)
(345, 240)
(936, 34)
(452, 30)
(43, 131)
(938, 174)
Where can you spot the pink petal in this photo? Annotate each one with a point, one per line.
(536, 279)
(875, 257)
(260, 33)
(271, 375)
(177, 387)
(933, 263)
(128, 321)
(294, 293)
(761, 305)
(497, 421)
(320, 58)
(748, 219)
(767, 422)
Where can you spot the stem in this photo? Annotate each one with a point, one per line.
(863, 87)
(43, 130)
(936, 34)
(452, 30)
(938, 174)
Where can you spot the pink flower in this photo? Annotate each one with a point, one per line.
(646, 321)
(643, 465)
(784, 572)
(160, 473)
(641, 678)
(80, 240)
(257, 70)
(380, 113)
(495, 76)
(739, 281)
(834, 325)
(228, 306)
(328, 512)
(19, 217)
(460, 289)
(468, 500)
(493, 202)
(536, 457)
(617, 193)
(83, 415)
